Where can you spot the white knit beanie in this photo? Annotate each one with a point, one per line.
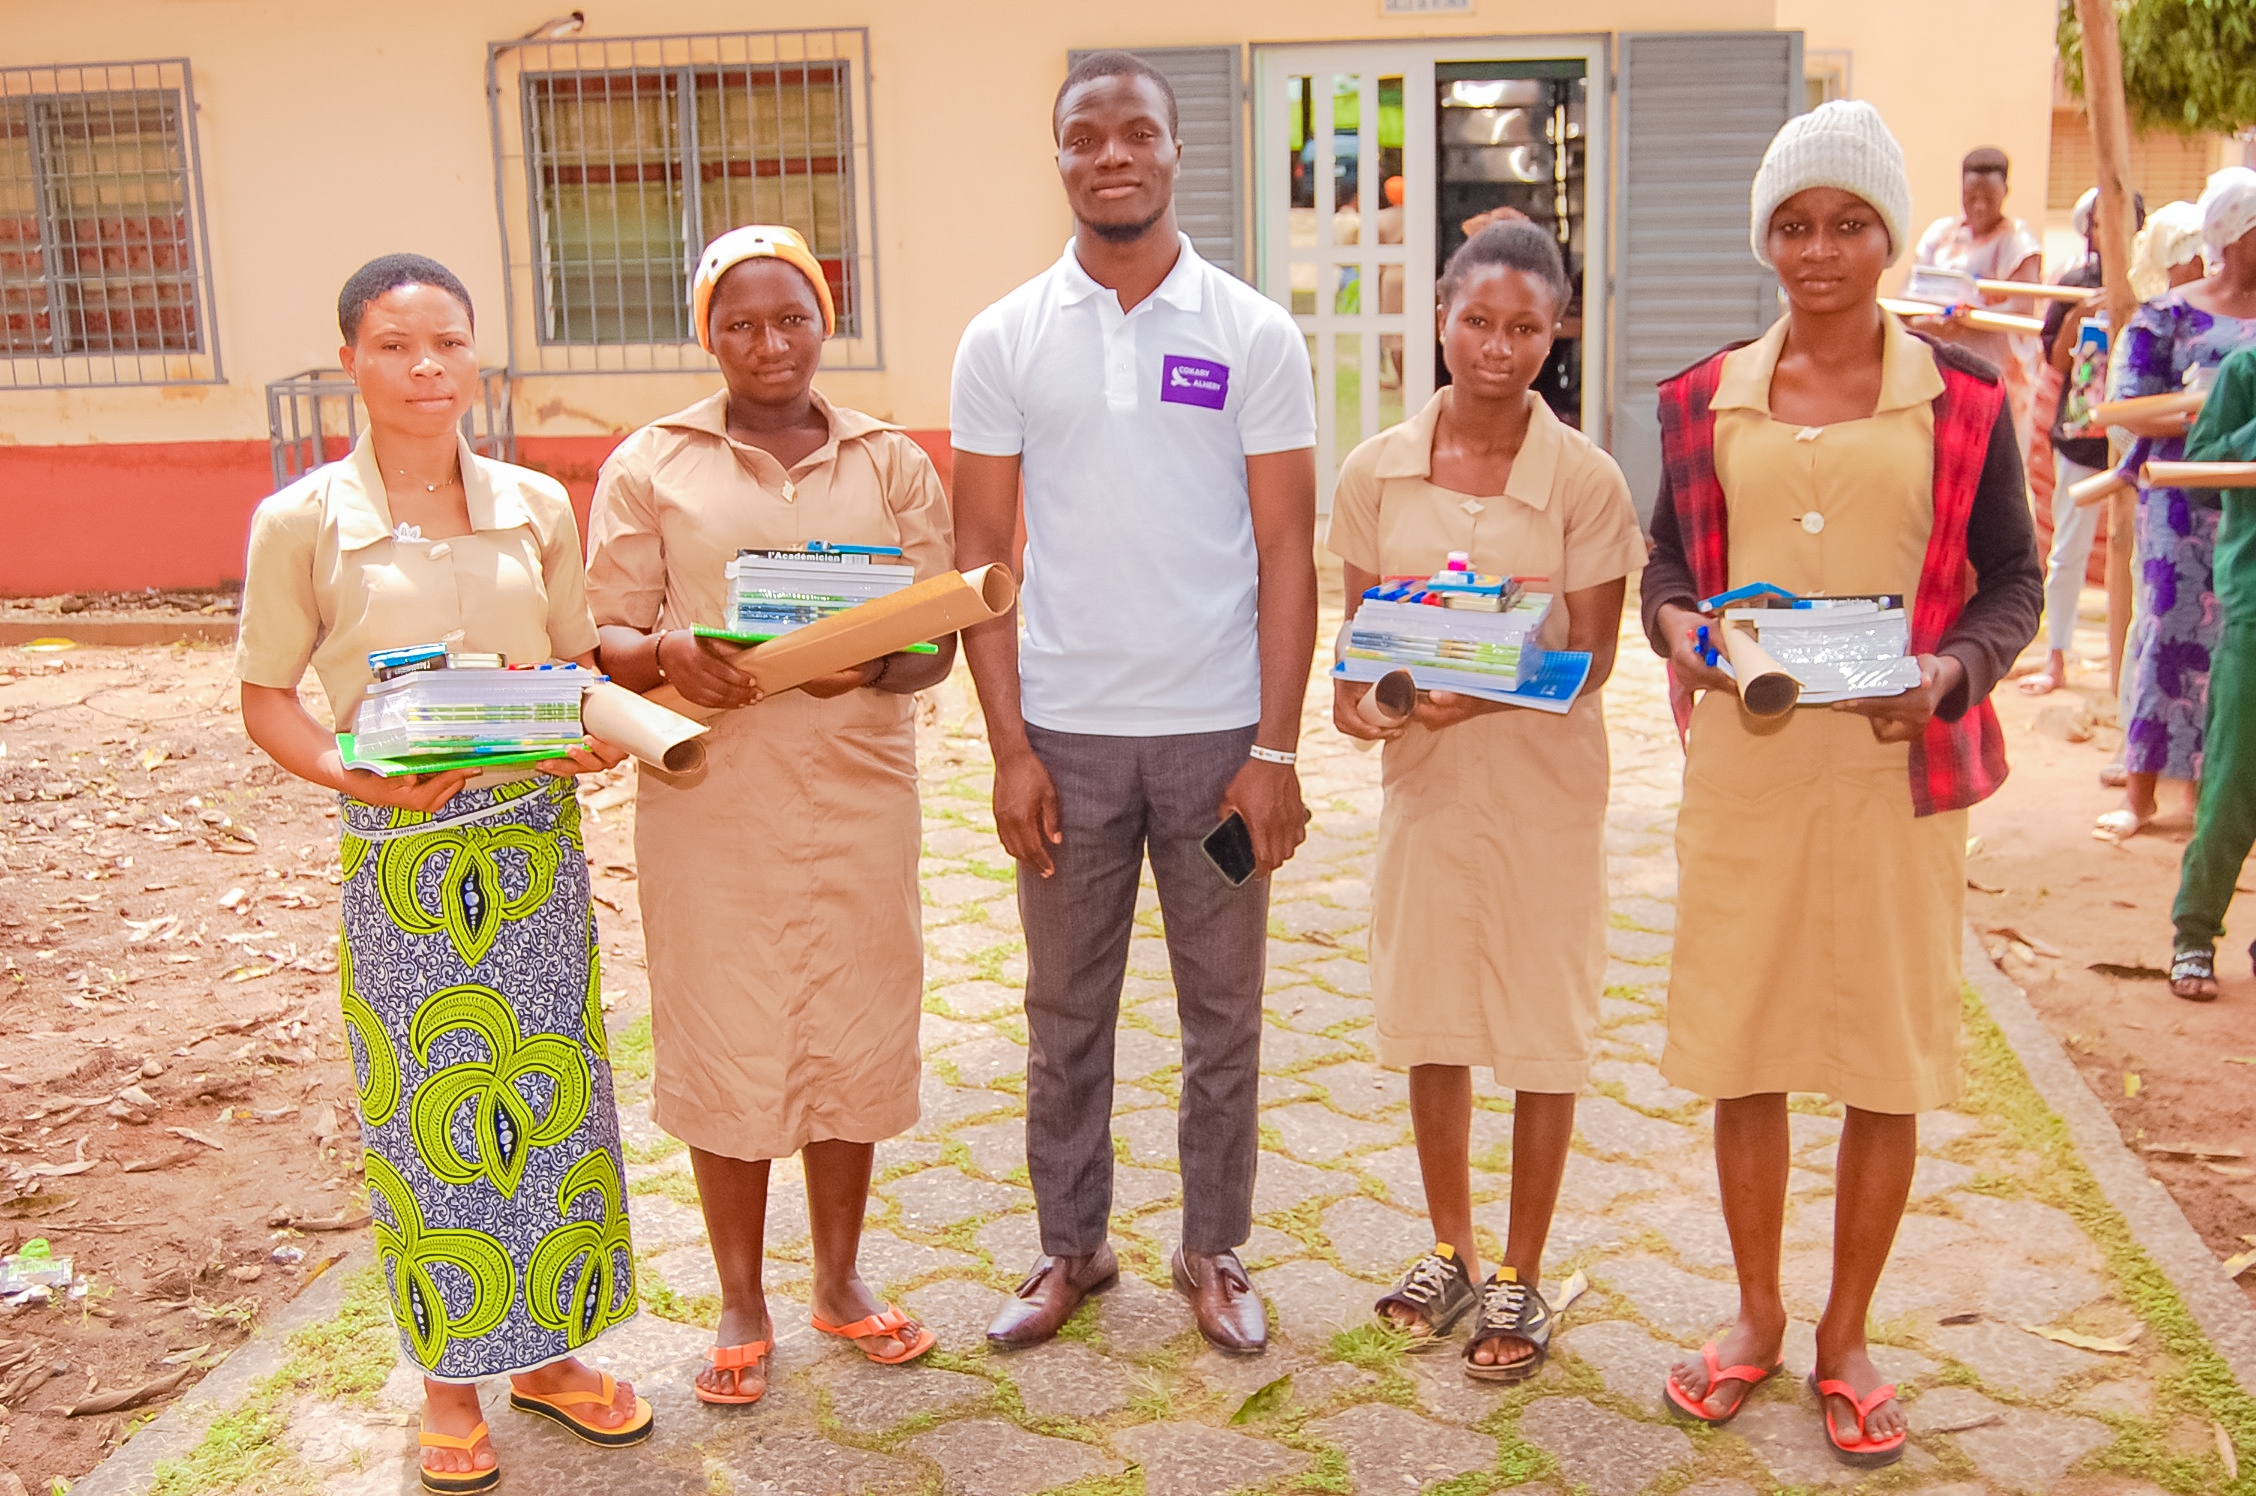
(1842, 144)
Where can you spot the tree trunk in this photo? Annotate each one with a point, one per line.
(2111, 155)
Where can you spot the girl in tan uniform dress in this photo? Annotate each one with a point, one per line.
(778, 887)
(1821, 854)
(1488, 924)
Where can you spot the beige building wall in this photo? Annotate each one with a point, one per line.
(332, 133)
(1948, 75)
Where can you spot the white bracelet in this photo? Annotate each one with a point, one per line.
(1273, 755)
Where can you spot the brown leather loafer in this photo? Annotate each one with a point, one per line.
(1052, 1291)
(1229, 1312)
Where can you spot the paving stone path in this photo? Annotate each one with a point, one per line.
(1129, 1399)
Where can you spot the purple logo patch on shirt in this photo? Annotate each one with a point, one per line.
(1194, 381)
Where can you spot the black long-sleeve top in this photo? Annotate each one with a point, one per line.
(1998, 621)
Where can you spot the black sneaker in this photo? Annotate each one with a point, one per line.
(1509, 1310)
(1438, 1290)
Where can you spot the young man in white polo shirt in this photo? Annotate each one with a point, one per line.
(1162, 417)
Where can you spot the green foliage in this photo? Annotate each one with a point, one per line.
(242, 1451)
(2188, 65)
(630, 1050)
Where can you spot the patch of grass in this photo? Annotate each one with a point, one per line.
(677, 1185)
(658, 1152)
(631, 1050)
(1129, 1482)
(241, 1451)
(347, 1359)
(2201, 1383)
(702, 1310)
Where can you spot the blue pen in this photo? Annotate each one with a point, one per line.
(1708, 652)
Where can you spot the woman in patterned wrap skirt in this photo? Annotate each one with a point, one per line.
(468, 959)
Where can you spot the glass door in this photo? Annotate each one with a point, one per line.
(1345, 176)
(1369, 159)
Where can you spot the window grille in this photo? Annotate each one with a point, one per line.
(104, 259)
(634, 153)
(313, 417)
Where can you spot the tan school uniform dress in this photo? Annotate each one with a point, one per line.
(1488, 913)
(1818, 920)
(779, 888)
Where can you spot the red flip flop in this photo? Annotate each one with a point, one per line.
(887, 1321)
(736, 1358)
(1703, 1411)
(1868, 1453)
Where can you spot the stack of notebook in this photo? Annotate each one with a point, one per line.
(1465, 632)
(775, 592)
(429, 704)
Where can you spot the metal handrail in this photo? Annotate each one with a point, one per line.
(313, 417)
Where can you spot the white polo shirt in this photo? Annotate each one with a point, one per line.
(1133, 431)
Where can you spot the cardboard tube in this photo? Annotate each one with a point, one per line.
(2198, 475)
(931, 609)
(2138, 407)
(2096, 488)
(1765, 689)
(665, 739)
(1389, 703)
(1977, 317)
(2035, 288)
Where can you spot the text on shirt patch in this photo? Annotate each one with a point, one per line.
(1194, 381)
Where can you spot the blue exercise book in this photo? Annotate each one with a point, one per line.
(1551, 686)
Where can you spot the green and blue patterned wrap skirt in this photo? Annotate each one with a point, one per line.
(472, 1001)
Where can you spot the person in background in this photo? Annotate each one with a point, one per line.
(2167, 252)
(2224, 826)
(2175, 343)
(468, 957)
(1822, 855)
(1491, 842)
(779, 886)
(1162, 416)
(2075, 458)
(1984, 243)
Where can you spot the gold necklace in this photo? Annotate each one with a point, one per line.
(447, 482)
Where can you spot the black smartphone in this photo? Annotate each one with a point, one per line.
(1229, 847)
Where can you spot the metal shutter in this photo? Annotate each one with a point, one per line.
(1210, 188)
(1697, 112)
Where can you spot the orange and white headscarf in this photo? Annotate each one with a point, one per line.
(754, 241)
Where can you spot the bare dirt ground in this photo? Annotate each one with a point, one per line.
(175, 1089)
(2177, 1075)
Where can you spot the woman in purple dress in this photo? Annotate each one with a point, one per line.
(2174, 343)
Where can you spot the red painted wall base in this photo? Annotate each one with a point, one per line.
(120, 517)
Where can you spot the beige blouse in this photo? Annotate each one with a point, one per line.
(329, 578)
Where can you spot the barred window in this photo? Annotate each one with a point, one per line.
(103, 269)
(640, 151)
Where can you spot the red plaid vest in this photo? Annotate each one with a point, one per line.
(1955, 764)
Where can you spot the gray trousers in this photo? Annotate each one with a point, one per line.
(1120, 798)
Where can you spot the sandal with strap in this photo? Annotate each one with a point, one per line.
(458, 1482)
(1438, 1291)
(1703, 1410)
(736, 1358)
(557, 1406)
(2196, 964)
(1509, 1310)
(887, 1321)
(1863, 1451)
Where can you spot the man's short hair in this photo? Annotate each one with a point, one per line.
(1115, 65)
(1988, 159)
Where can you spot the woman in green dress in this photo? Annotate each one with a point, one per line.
(468, 957)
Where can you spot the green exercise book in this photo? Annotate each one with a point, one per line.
(730, 636)
(439, 763)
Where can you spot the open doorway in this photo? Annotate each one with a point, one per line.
(1512, 140)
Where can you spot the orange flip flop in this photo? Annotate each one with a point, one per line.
(458, 1482)
(1718, 1374)
(736, 1358)
(557, 1407)
(888, 1321)
(1863, 1451)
